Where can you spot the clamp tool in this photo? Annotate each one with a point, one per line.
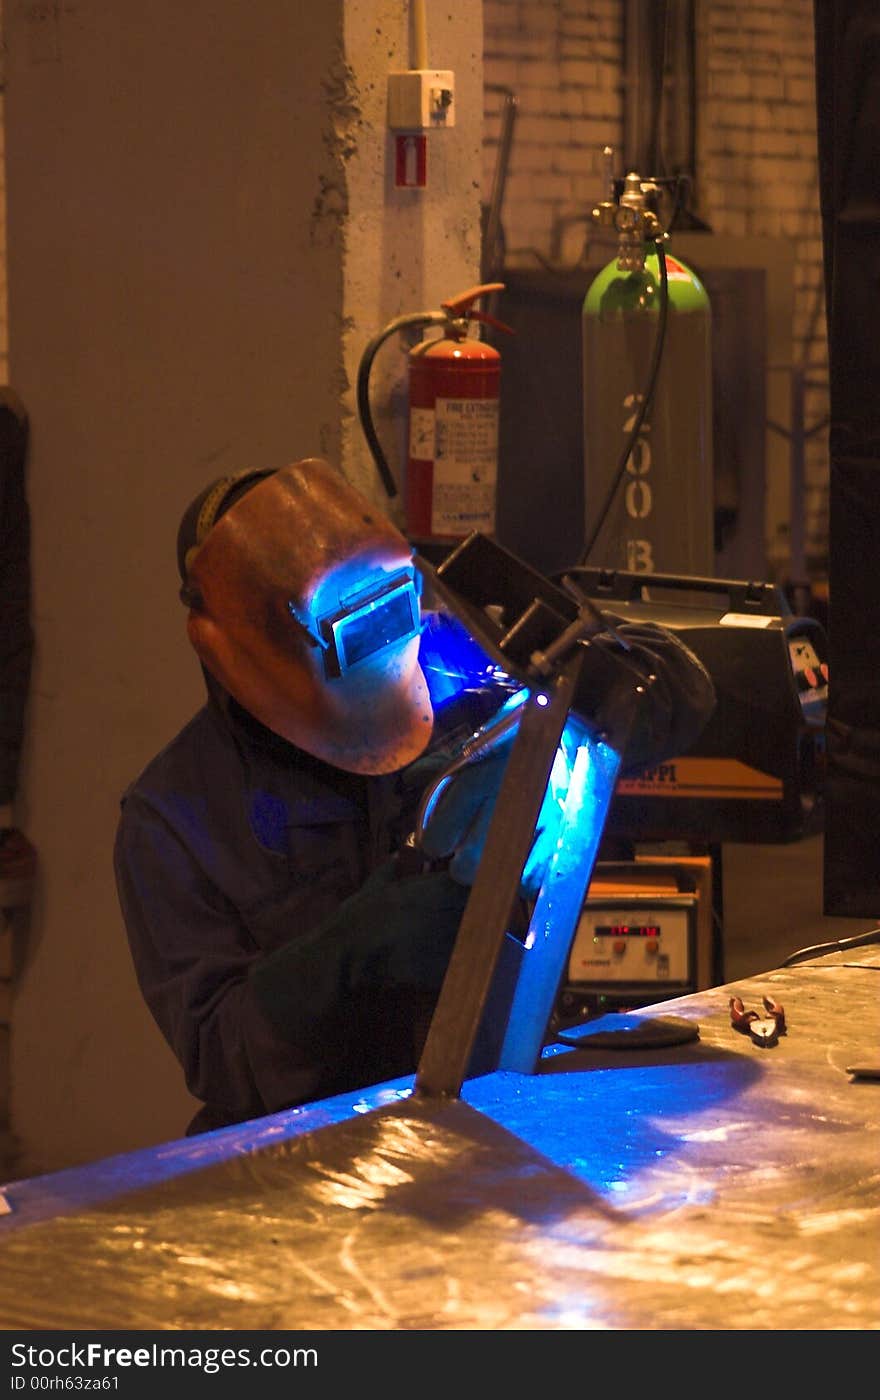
(764, 1030)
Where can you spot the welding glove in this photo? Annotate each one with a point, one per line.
(393, 933)
(678, 695)
(456, 824)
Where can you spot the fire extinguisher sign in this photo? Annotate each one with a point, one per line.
(465, 465)
(410, 161)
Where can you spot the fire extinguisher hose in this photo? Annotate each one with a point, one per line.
(414, 318)
(647, 398)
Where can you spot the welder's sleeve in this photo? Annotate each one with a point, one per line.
(336, 1008)
(192, 952)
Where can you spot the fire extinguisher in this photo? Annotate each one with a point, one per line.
(450, 482)
(647, 376)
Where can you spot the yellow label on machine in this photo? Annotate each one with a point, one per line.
(702, 777)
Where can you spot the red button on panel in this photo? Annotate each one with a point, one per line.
(651, 947)
(619, 947)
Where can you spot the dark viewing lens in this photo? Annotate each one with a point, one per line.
(365, 633)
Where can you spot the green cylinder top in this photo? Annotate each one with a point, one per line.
(614, 293)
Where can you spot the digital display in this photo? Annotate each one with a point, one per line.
(627, 931)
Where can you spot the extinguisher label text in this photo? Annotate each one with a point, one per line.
(421, 434)
(465, 465)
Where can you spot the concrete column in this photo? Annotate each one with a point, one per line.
(203, 235)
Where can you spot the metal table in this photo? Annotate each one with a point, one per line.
(713, 1185)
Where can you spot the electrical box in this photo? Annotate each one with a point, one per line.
(421, 99)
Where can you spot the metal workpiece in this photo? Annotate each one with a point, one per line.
(713, 1185)
(466, 1005)
(497, 996)
(557, 909)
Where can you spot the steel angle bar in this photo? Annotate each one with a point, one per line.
(558, 906)
(463, 997)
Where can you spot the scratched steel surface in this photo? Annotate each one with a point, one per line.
(715, 1185)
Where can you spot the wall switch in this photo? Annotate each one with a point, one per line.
(421, 99)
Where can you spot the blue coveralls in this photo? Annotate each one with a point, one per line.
(230, 844)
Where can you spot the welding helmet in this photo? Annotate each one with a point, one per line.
(304, 606)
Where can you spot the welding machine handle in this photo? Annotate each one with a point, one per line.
(742, 595)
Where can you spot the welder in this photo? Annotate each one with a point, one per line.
(287, 939)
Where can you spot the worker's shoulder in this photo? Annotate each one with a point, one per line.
(203, 745)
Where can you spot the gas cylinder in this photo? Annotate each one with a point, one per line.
(655, 512)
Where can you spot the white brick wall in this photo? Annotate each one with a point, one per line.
(563, 61)
(756, 170)
(758, 174)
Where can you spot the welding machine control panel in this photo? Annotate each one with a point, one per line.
(615, 943)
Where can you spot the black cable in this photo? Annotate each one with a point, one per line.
(682, 183)
(839, 945)
(656, 357)
(414, 318)
(661, 23)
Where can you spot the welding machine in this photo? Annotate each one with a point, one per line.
(645, 933)
(648, 928)
(755, 773)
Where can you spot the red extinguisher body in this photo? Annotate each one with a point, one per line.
(452, 463)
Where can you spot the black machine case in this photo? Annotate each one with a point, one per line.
(755, 774)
